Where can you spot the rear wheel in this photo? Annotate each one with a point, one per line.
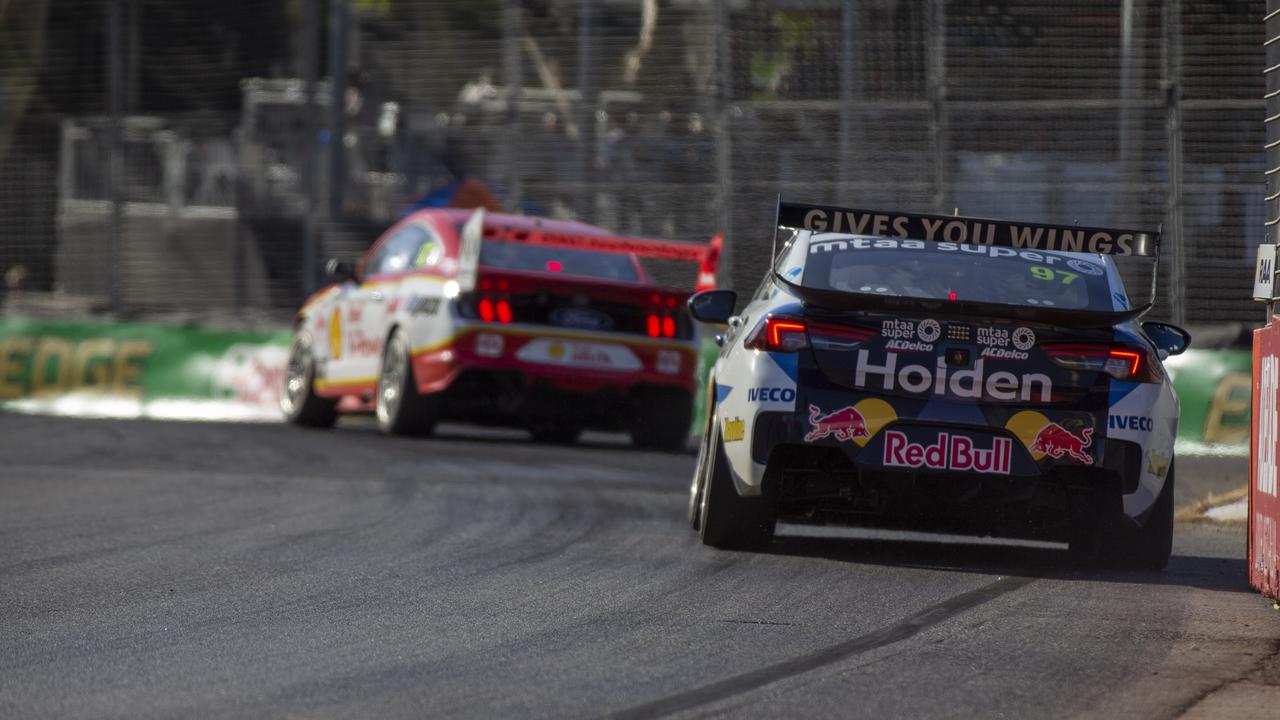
(699, 473)
(660, 420)
(400, 409)
(727, 520)
(299, 402)
(1102, 536)
(1149, 547)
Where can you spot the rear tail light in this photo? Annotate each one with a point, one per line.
(778, 333)
(490, 310)
(1131, 363)
(660, 320)
(832, 336)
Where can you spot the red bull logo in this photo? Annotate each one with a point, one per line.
(948, 452)
(845, 424)
(1056, 441)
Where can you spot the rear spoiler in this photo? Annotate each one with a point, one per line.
(477, 229)
(974, 231)
(872, 302)
(969, 230)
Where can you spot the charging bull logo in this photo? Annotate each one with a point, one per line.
(1056, 441)
(1044, 438)
(845, 424)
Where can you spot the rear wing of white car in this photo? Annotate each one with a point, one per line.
(1144, 245)
(477, 229)
(969, 230)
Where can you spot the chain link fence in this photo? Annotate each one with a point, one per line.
(161, 156)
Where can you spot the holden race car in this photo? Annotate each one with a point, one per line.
(553, 326)
(944, 373)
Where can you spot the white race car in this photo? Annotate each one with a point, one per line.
(947, 373)
(549, 325)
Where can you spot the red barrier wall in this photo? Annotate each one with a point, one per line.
(1264, 448)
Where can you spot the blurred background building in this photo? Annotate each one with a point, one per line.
(160, 157)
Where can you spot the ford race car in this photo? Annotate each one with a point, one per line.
(945, 373)
(549, 325)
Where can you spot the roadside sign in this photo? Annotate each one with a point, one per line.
(1264, 276)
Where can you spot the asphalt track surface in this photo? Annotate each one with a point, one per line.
(161, 570)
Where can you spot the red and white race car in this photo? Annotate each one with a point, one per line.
(550, 325)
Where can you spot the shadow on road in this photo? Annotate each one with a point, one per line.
(1039, 560)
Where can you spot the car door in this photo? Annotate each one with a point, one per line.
(379, 294)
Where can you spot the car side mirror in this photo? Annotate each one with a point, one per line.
(713, 306)
(341, 271)
(1167, 338)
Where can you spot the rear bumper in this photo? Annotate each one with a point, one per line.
(523, 375)
(837, 483)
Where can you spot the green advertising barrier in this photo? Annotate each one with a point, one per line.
(164, 371)
(141, 370)
(1214, 387)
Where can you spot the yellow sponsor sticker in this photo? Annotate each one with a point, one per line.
(734, 430)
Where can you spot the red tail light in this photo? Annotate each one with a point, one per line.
(490, 310)
(779, 334)
(1131, 363)
(661, 321)
(831, 336)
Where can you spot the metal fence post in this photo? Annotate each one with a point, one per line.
(1130, 120)
(513, 79)
(724, 143)
(339, 17)
(115, 102)
(847, 49)
(937, 86)
(1172, 46)
(586, 101)
(1271, 125)
(310, 62)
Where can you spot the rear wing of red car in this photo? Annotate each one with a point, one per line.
(477, 229)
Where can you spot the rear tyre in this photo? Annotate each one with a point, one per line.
(1149, 547)
(727, 520)
(552, 434)
(299, 402)
(1102, 536)
(660, 420)
(699, 473)
(400, 409)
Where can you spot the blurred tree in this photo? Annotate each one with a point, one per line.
(22, 43)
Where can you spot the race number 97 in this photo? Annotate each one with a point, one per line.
(1042, 272)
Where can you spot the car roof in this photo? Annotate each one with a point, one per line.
(519, 221)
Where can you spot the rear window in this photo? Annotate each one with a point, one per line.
(942, 271)
(557, 261)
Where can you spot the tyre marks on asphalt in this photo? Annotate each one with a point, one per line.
(777, 672)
